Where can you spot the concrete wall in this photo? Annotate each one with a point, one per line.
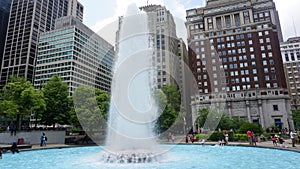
(33, 137)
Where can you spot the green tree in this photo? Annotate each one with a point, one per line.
(91, 107)
(39, 105)
(169, 101)
(8, 109)
(226, 123)
(56, 95)
(256, 128)
(103, 100)
(18, 99)
(73, 117)
(202, 116)
(296, 118)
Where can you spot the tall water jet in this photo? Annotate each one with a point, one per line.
(132, 109)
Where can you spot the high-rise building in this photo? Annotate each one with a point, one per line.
(4, 14)
(184, 84)
(290, 51)
(234, 53)
(27, 20)
(75, 53)
(163, 30)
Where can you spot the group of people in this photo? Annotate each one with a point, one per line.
(190, 137)
(277, 139)
(251, 137)
(171, 137)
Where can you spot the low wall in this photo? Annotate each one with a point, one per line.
(33, 137)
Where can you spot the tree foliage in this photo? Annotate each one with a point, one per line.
(296, 118)
(56, 95)
(103, 100)
(256, 128)
(39, 105)
(18, 98)
(226, 123)
(170, 102)
(91, 107)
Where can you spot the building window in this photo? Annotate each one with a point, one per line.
(254, 71)
(265, 62)
(275, 108)
(261, 41)
(292, 57)
(266, 32)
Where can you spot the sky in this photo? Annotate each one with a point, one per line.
(98, 14)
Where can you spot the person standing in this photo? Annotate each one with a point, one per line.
(253, 138)
(249, 134)
(293, 138)
(43, 139)
(173, 138)
(226, 137)
(186, 139)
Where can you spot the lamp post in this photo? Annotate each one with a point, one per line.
(184, 125)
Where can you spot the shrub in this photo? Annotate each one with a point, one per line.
(256, 128)
(216, 136)
(75, 130)
(200, 136)
(240, 137)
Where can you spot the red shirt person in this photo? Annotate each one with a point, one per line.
(249, 134)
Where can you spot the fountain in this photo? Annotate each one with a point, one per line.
(130, 137)
(133, 111)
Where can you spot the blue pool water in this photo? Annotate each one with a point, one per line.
(178, 157)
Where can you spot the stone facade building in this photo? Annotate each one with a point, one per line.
(290, 51)
(234, 53)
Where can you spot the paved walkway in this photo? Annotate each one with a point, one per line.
(265, 144)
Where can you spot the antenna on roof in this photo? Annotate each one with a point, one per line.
(147, 2)
(294, 27)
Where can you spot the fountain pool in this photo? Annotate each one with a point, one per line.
(178, 157)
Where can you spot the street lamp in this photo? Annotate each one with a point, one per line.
(184, 125)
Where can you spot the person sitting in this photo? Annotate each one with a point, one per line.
(281, 142)
(193, 139)
(14, 148)
(274, 140)
(202, 142)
